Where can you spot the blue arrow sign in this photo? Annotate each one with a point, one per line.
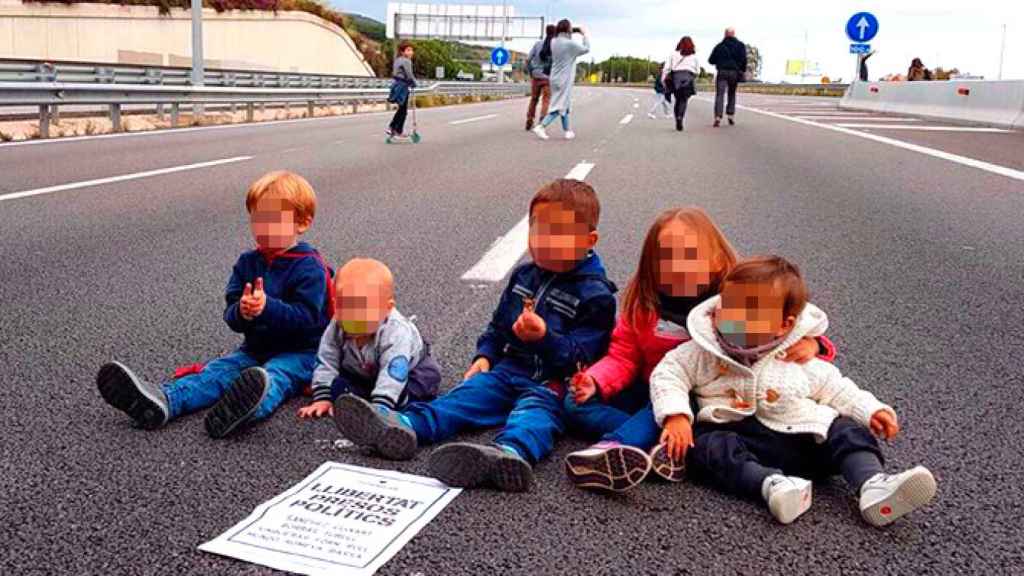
(862, 27)
(499, 56)
(860, 48)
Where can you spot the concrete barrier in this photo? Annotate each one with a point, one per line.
(997, 103)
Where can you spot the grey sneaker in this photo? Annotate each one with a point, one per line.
(145, 403)
(666, 467)
(465, 465)
(608, 466)
(374, 427)
(884, 497)
(238, 404)
(787, 496)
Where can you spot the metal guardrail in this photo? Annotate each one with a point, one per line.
(48, 96)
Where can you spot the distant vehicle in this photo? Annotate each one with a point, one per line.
(467, 76)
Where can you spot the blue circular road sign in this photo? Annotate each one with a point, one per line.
(499, 56)
(862, 27)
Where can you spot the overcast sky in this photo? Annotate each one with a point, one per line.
(947, 33)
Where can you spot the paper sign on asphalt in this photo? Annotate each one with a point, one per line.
(341, 520)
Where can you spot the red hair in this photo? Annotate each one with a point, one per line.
(686, 47)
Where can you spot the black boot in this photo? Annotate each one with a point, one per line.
(679, 124)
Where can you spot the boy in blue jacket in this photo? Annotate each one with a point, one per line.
(555, 315)
(278, 298)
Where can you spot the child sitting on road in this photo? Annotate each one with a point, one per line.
(369, 348)
(765, 427)
(556, 313)
(278, 297)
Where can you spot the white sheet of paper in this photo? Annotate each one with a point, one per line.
(340, 520)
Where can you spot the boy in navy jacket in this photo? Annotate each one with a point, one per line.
(278, 298)
(555, 315)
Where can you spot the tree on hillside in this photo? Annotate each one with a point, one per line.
(754, 62)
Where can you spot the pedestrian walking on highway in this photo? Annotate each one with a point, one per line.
(918, 72)
(404, 80)
(539, 69)
(730, 60)
(662, 98)
(680, 77)
(564, 50)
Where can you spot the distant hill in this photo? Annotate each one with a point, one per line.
(368, 27)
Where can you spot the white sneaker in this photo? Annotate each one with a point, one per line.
(885, 497)
(651, 115)
(787, 496)
(540, 132)
(570, 135)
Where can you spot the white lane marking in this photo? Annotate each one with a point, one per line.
(860, 118)
(122, 178)
(636, 105)
(474, 119)
(964, 160)
(507, 250)
(926, 128)
(626, 119)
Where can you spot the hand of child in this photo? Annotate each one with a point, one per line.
(677, 436)
(529, 327)
(253, 300)
(479, 365)
(583, 387)
(317, 409)
(884, 425)
(803, 351)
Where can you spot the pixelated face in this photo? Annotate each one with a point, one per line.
(558, 241)
(751, 315)
(273, 224)
(684, 264)
(361, 305)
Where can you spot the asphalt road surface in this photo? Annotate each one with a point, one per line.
(119, 247)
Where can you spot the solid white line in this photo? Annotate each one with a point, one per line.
(926, 128)
(112, 179)
(964, 160)
(626, 119)
(860, 118)
(476, 119)
(507, 250)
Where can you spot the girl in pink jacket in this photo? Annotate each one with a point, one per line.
(684, 259)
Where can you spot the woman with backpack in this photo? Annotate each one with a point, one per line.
(539, 70)
(680, 76)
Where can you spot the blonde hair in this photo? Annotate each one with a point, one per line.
(289, 187)
(641, 296)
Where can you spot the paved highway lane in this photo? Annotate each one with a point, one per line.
(917, 259)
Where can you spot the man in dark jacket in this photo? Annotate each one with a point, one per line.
(730, 58)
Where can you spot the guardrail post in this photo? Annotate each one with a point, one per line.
(355, 106)
(44, 121)
(250, 112)
(175, 114)
(311, 109)
(115, 117)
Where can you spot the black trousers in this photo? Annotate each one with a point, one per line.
(398, 122)
(681, 97)
(738, 456)
(725, 84)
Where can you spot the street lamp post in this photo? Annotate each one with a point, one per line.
(197, 50)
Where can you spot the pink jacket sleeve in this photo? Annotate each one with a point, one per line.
(617, 370)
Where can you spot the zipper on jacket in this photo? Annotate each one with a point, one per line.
(538, 365)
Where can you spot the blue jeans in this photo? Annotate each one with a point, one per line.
(289, 372)
(564, 115)
(627, 419)
(529, 410)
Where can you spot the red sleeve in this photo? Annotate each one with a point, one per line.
(617, 370)
(826, 349)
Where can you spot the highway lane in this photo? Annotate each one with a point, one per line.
(916, 259)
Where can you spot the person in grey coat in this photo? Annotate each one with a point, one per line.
(564, 50)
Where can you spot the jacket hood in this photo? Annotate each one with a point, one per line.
(700, 324)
